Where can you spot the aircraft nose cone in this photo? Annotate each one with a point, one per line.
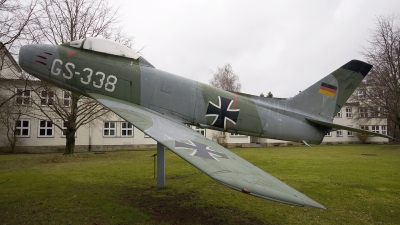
(37, 59)
(22, 53)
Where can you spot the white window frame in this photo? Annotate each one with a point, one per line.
(66, 98)
(363, 112)
(21, 128)
(339, 114)
(45, 97)
(373, 112)
(339, 133)
(360, 94)
(350, 133)
(236, 135)
(349, 113)
(384, 129)
(109, 127)
(45, 128)
(329, 134)
(125, 128)
(374, 128)
(200, 130)
(25, 96)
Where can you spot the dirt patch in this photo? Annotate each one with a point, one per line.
(167, 206)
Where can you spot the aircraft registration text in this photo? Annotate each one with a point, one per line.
(86, 78)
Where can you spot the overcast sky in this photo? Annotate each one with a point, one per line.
(277, 46)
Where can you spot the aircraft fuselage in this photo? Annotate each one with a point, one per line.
(176, 97)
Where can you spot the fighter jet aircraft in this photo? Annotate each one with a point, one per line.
(161, 104)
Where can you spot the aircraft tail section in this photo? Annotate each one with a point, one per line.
(327, 96)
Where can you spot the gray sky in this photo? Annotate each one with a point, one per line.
(277, 46)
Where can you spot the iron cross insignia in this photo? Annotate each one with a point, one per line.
(200, 150)
(222, 112)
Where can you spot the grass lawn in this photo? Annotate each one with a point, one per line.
(359, 184)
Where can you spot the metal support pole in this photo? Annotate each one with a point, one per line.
(160, 165)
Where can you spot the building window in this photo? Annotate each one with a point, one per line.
(46, 98)
(360, 94)
(349, 112)
(383, 130)
(339, 114)
(46, 128)
(109, 129)
(126, 129)
(373, 93)
(22, 128)
(363, 112)
(236, 135)
(23, 96)
(66, 99)
(64, 125)
(202, 131)
(329, 134)
(375, 128)
(382, 112)
(350, 133)
(373, 112)
(339, 133)
(369, 112)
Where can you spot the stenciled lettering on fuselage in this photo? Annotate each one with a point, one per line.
(108, 82)
(222, 112)
(200, 150)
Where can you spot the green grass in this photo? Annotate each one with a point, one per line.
(359, 184)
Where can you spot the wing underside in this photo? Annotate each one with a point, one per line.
(214, 160)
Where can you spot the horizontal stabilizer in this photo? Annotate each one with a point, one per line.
(341, 127)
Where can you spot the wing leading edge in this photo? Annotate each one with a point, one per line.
(214, 160)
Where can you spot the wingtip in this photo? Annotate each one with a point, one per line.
(358, 66)
(314, 204)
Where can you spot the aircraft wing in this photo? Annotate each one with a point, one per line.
(206, 155)
(342, 127)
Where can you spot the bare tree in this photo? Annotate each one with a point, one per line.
(10, 116)
(379, 95)
(226, 79)
(14, 17)
(74, 110)
(220, 138)
(67, 20)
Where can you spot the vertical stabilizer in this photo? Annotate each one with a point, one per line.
(327, 96)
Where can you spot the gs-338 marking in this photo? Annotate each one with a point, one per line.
(109, 86)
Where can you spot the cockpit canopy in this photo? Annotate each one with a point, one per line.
(105, 46)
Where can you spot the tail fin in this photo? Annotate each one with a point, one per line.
(326, 97)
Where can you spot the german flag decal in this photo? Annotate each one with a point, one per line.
(327, 89)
